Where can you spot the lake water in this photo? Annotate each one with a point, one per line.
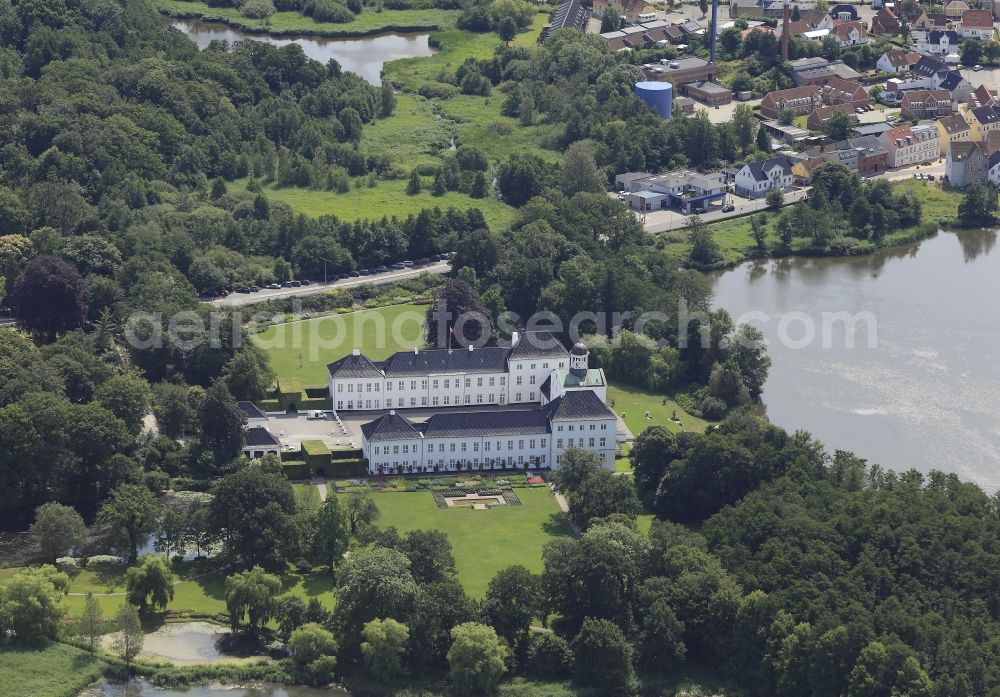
(924, 393)
(142, 688)
(364, 55)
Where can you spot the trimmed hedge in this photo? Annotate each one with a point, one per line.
(296, 469)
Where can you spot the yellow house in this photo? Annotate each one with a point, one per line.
(952, 129)
(982, 120)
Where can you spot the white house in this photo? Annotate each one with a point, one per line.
(258, 441)
(993, 173)
(688, 191)
(896, 61)
(850, 34)
(976, 24)
(505, 439)
(911, 145)
(938, 42)
(755, 179)
(448, 377)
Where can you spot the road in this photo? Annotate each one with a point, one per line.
(239, 299)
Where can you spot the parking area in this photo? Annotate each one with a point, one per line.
(665, 220)
(987, 76)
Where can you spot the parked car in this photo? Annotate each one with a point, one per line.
(930, 177)
(372, 271)
(421, 261)
(406, 262)
(242, 289)
(305, 283)
(728, 208)
(316, 415)
(398, 266)
(254, 289)
(273, 286)
(977, 68)
(355, 274)
(381, 269)
(287, 284)
(363, 272)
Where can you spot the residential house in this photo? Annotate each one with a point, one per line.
(630, 9)
(850, 34)
(885, 23)
(982, 120)
(981, 96)
(571, 14)
(897, 61)
(644, 36)
(976, 24)
(252, 414)
(993, 169)
(939, 42)
(967, 163)
(764, 9)
(818, 118)
(710, 93)
(258, 440)
(845, 92)
(845, 13)
(912, 145)
(867, 154)
(952, 129)
(960, 88)
(800, 100)
(756, 179)
(955, 9)
(926, 104)
(685, 190)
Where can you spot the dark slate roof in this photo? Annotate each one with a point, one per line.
(354, 366)
(579, 349)
(570, 14)
(757, 169)
(486, 423)
(258, 436)
(951, 82)
(389, 426)
(538, 345)
(576, 405)
(927, 66)
(935, 36)
(445, 361)
(986, 114)
(251, 410)
(994, 159)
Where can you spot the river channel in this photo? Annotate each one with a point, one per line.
(142, 688)
(364, 55)
(921, 387)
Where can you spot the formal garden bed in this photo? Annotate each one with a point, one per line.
(439, 483)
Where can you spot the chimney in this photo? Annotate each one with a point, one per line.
(784, 32)
(515, 337)
(392, 412)
(415, 351)
(356, 352)
(470, 348)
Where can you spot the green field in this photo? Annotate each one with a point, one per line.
(735, 240)
(55, 670)
(388, 198)
(295, 23)
(634, 403)
(413, 135)
(483, 542)
(302, 350)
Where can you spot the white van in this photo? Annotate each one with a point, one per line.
(646, 17)
(316, 415)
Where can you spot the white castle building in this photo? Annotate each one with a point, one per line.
(569, 399)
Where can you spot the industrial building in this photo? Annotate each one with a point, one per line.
(658, 95)
(687, 191)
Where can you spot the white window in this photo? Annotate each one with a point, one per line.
(468, 382)
(395, 450)
(559, 442)
(492, 381)
(518, 381)
(434, 384)
(479, 382)
(591, 442)
(451, 447)
(604, 441)
(413, 384)
(475, 447)
(468, 399)
(479, 399)
(463, 446)
(388, 404)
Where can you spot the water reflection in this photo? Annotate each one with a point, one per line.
(925, 395)
(142, 688)
(364, 56)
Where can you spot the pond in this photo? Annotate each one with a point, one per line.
(920, 387)
(142, 688)
(364, 55)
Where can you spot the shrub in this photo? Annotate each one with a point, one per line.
(104, 561)
(257, 9)
(846, 246)
(331, 11)
(549, 657)
(68, 563)
(713, 408)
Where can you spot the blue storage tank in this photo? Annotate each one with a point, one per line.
(659, 95)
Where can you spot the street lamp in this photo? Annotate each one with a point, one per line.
(324, 269)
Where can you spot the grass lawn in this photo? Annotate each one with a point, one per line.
(388, 198)
(198, 589)
(483, 542)
(296, 23)
(733, 235)
(303, 349)
(635, 402)
(55, 670)
(306, 496)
